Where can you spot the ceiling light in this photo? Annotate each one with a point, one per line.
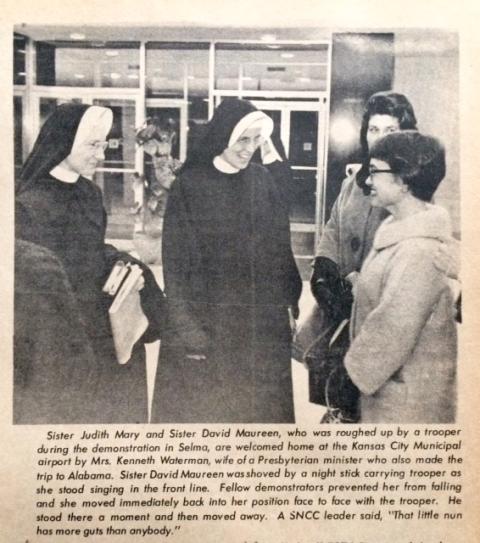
(304, 79)
(23, 74)
(114, 75)
(77, 36)
(343, 132)
(287, 55)
(274, 46)
(79, 76)
(111, 53)
(268, 37)
(191, 77)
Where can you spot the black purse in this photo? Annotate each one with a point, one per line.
(328, 381)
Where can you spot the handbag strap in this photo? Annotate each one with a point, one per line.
(338, 331)
(321, 337)
(340, 328)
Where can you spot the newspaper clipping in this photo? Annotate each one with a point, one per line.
(239, 273)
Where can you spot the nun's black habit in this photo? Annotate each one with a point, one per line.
(70, 221)
(275, 160)
(229, 276)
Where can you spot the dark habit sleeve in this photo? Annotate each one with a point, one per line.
(181, 271)
(289, 276)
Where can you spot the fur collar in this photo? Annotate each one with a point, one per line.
(433, 222)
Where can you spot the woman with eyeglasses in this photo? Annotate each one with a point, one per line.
(403, 351)
(348, 235)
(345, 242)
(230, 279)
(60, 208)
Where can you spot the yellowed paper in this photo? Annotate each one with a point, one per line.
(304, 521)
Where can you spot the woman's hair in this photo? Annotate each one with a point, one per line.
(419, 160)
(383, 103)
(387, 103)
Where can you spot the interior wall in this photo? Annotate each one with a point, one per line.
(427, 72)
(362, 64)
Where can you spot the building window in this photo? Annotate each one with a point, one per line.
(271, 67)
(179, 70)
(19, 55)
(111, 64)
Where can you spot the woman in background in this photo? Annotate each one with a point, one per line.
(230, 278)
(403, 351)
(53, 360)
(59, 208)
(348, 235)
(346, 240)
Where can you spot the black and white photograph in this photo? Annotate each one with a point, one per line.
(240, 271)
(240, 225)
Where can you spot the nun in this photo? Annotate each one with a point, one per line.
(231, 282)
(60, 208)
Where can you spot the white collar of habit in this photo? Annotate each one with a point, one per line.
(223, 166)
(63, 174)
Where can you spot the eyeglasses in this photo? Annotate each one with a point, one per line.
(245, 142)
(371, 173)
(98, 145)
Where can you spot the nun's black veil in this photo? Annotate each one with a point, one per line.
(53, 145)
(217, 134)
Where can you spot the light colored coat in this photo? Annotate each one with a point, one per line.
(404, 343)
(348, 235)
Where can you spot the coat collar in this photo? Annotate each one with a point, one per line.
(433, 222)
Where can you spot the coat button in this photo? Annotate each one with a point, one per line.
(355, 243)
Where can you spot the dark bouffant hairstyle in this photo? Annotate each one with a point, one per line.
(419, 160)
(383, 103)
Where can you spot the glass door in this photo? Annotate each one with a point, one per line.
(115, 174)
(44, 104)
(301, 127)
(171, 115)
(164, 150)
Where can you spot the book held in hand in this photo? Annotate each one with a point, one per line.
(127, 319)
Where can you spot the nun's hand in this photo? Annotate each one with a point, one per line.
(269, 153)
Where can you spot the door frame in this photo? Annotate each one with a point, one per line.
(182, 105)
(319, 106)
(87, 95)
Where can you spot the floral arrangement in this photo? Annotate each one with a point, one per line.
(151, 189)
